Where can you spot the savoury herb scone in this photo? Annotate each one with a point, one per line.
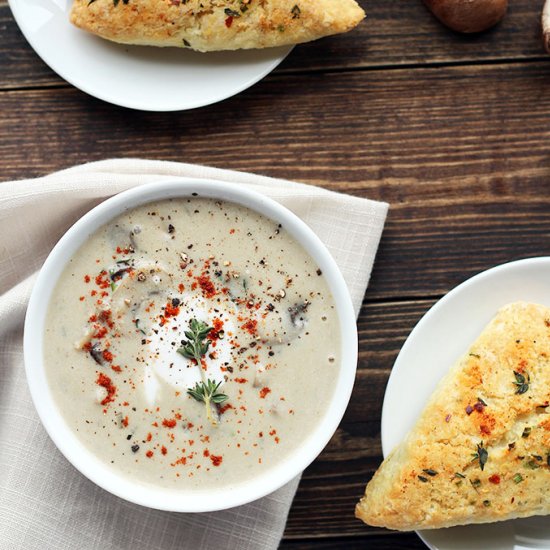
(210, 25)
(480, 451)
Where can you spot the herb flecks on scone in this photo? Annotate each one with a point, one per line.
(213, 25)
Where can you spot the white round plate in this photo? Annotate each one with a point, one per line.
(437, 341)
(140, 77)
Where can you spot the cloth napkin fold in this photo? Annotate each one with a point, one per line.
(44, 502)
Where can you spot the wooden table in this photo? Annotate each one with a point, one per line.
(452, 131)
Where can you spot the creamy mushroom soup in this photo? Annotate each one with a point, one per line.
(192, 343)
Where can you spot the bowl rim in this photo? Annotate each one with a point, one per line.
(178, 500)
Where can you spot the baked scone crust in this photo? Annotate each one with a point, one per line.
(213, 25)
(480, 451)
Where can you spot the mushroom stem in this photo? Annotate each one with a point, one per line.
(546, 25)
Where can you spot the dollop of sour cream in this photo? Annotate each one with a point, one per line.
(163, 360)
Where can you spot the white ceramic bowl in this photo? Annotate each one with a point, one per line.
(99, 472)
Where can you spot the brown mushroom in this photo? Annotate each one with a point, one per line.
(468, 15)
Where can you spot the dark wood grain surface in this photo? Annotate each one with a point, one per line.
(453, 131)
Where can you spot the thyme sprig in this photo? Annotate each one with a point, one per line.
(195, 348)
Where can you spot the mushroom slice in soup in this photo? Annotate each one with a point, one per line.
(97, 353)
(124, 237)
(147, 287)
(284, 324)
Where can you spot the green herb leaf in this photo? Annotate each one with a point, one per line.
(521, 382)
(187, 351)
(532, 465)
(138, 327)
(518, 478)
(475, 484)
(526, 432)
(482, 455)
(231, 13)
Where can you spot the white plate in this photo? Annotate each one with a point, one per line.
(146, 78)
(437, 341)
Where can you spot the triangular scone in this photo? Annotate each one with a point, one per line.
(211, 25)
(480, 451)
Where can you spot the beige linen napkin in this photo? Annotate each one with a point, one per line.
(44, 502)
